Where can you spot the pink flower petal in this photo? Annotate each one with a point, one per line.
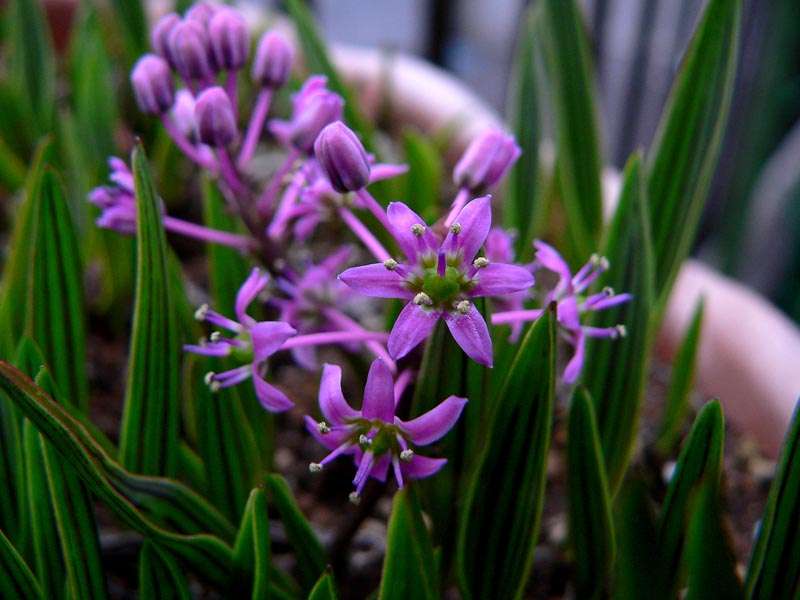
(434, 424)
(334, 407)
(271, 398)
(497, 279)
(575, 364)
(268, 336)
(413, 325)
(251, 288)
(472, 334)
(422, 466)
(331, 440)
(474, 222)
(379, 393)
(377, 281)
(550, 259)
(402, 219)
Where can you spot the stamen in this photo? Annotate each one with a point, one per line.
(480, 262)
(314, 467)
(406, 455)
(354, 498)
(390, 264)
(200, 313)
(455, 228)
(215, 336)
(422, 299)
(608, 291)
(209, 378)
(463, 307)
(364, 440)
(622, 331)
(323, 427)
(417, 229)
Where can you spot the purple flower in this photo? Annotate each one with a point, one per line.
(499, 247)
(313, 107)
(486, 161)
(252, 343)
(273, 61)
(216, 123)
(190, 51)
(439, 279)
(159, 38)
(343, 158)
(229, 38)
(374, 435)
(152, 84)
(116, 201)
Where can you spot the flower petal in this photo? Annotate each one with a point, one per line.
(379, 393)
(268, 336)
(568, 314)
(331, 440)
(472, 334)
(575, 364)
(475, 221)
(377, 281)
(271, 398)
(402, 219)
(413, 325)
(550, 259)
(434, 424)
(251, 288)
(497, 279)
(334, 407)
(422, 466)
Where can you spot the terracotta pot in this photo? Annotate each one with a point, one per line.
(749, 353)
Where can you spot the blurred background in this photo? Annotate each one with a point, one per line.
(751, 229)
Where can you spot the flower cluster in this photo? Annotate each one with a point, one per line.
(437, 269)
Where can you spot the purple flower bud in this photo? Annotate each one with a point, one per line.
(159, 38)
(216, 125)
(342, 157)
(230, 40)
(152, 84)
(188, 43)
(319, 110)
(202, 12)
(183, 113)
(273, 60)
(486, 161)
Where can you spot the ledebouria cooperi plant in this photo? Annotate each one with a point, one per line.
(374, 435)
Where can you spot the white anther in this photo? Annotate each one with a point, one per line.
(422, 299)
(608, 291)
(364, 440)
(463, 307)
(209, 378)
(455, 228)
(390, 264)
(323, 427)
(215, 336)
(622, 331)
(407, 455)
(603, 263)
(480, 262)
(314, 467)
(214, 386)
(354, 498)
(201, 312)
(417, 229)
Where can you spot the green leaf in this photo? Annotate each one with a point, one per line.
(680, 386)
(251, 552)
(54, 313)
(699, 461)
(12, 169)
(774, 570)
(615, 370)
(131, 20)
(409, 568)
(500, 519)
(569, 72)
(33, 67)
(155, 507)
(590, 525)
(149, 430)
(325, 589)
(311, 558)
(425, 174)
(711, 563)
(684, 154)
(16, 578)
(524, 207)
(636, 566)
(160, 577)
(317, 60)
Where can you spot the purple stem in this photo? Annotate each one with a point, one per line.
(375, 208)
(255, 127)
(285, 209)
(344, 322)
(516, 316)
(267, 198)
(364, 234)
(206, 234)
(333, 337)
(458, 203)
(232, 90)
(185, 145)
(229, 172)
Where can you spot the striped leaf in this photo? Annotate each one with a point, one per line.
(149, 430)
(251, 552)
(699, 461)
(133, 24)
(16, 578)
(409, 568)
(160, 576)
(569, 73)
(680, 386)
(684, 154)
(590, 525)
(325, 589)
(774, 570)
(500, 519)
(317, 60)
(311, 558)
(162, 510)
(524, 207)
(615, 370)
(636, 566)
(425, 175)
